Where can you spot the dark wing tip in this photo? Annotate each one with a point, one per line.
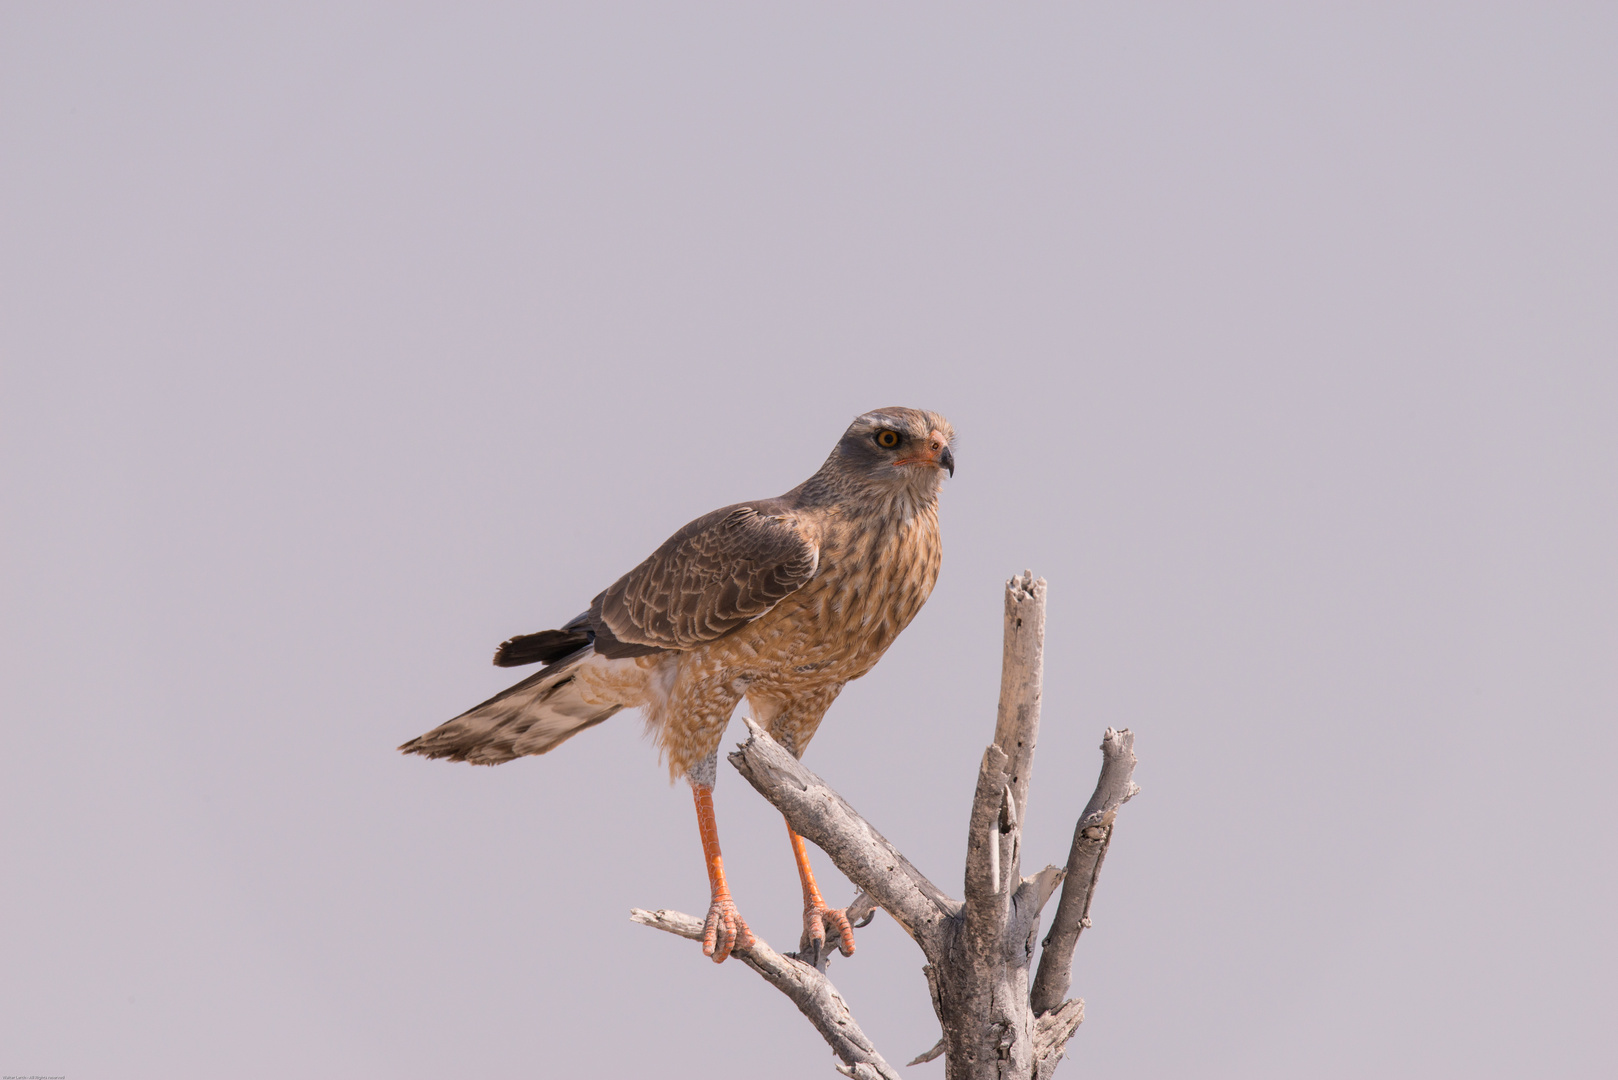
(541, 648)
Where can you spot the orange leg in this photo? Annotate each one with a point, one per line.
(724, 929)
(817, 917)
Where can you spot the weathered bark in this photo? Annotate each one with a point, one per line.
(980, 983)
(809, 989)
(821, 816)
(1090, 839)
(1022, 677)
(978, 949)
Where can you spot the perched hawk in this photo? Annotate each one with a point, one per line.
(781, 601)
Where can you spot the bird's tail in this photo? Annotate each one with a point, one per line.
(539, 713)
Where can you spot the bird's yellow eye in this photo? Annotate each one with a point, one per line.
(887, 439)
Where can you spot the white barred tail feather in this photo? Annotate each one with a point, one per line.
(534, 716)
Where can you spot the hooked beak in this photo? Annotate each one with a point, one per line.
(937, 454)
(940, 453)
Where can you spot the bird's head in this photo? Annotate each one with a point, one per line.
(896, 451)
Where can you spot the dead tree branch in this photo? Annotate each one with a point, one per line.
(809, 989)
(978, 950)
(1022, 677)
(1090, 839)
(824, 818)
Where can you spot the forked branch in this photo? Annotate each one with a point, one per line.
(978, 950)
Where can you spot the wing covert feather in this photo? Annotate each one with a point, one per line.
(722, 571)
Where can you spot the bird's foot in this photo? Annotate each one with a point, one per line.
(819, 921)
(725, 930)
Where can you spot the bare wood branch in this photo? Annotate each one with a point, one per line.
(809, 989)
(1045, 883)
(1116, 784)
(1051, 1033)
(1022, 673)
(1022, 921)
(862, 1071)
(985, 905)
(1007, 837)
(677, 923)
(1016, 729)
(927, 1055)
(864, 855)
(1091, 836)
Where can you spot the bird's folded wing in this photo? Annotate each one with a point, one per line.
(722, 571)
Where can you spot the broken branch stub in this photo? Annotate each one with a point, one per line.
(1022, 675)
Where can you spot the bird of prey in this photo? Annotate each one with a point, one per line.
(781, 601)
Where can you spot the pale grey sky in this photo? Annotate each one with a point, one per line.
(342, 341)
